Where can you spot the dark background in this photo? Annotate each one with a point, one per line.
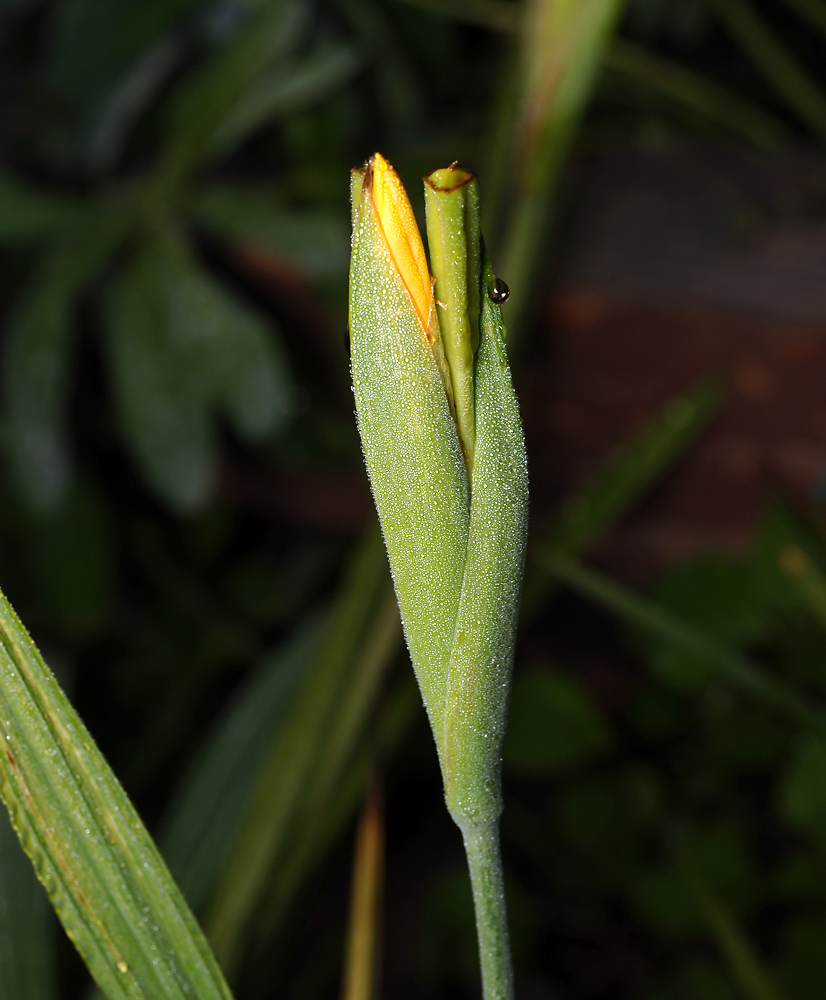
(182, 491)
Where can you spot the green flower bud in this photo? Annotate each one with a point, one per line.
(443, 444)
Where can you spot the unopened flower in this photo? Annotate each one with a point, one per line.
(444, 450)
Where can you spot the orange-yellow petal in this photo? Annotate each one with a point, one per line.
(402, 235)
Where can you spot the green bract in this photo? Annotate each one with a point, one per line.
(445, 454)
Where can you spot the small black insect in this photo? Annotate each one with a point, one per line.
(347, 343)
(499, 292)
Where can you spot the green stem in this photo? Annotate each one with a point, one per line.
(485, 863)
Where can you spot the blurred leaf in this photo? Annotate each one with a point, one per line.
(28, 215)
(93, 42)
(696, 979)
(208, 808)
(619, 483)
(663, 902)
(659, 623)
(595, 814)
(802, 963)
(205, 99)
(800, 877)
(744, 963)
(226, 346)
(779, 531)
(25, 925)
(122, 106)
(776, 62)
(72, 556)
(312, 752)
(678, 22)
(812, 11)
(180, 344)
(714, 595)
(802, 790)
(678, 898)
(697, 93)
(396, 87)
(552, 725)
(314, 240)
(105, 878)
(334, 809)
(163, 405)
(284, 91)
(38, 357)
(559, 57)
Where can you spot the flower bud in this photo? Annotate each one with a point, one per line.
(444, 450)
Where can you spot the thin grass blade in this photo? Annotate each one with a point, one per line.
(619, 483)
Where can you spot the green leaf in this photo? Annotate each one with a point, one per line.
(208, 808)
(802, 791)
(802, 959)
(27, 215)
(71, 556)
(205, 99)
(311, 754)
(552, 725)
(776, 62)
(38, 357)
(619, 483)
(104, 876)
(699, 978)
(227, 346)
(25, 925)
(714, 595)
(562, 46)
(92, 42)
(696, 93)
(649, 617)
(312, 239)
(284, 91)
(163, 404)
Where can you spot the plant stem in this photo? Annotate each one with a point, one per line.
(485, 863)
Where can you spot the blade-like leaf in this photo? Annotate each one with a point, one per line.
(744, 963)
(38, 358)
(203, 824)
(559, 58)
(732, 667)
(25, 925)
(104, 875)
(620, 482)
(776, 62)
(313, 749)
(697, 93)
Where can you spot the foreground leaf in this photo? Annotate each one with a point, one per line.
(104, 876)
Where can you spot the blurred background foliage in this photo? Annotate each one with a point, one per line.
(186, 529)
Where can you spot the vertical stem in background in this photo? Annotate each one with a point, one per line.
(361, 974)
(485, 864)
(547, 89)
